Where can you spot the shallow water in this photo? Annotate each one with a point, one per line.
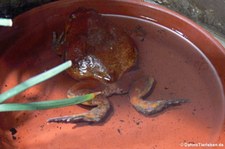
(181, 71)
(179, 68)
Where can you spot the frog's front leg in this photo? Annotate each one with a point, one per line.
(57, 41)
(141, 88)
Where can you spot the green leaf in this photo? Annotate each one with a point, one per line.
(34, 81)
(42, 105)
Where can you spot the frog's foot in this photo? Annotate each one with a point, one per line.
(95, 115)
(141, 88)
(57, 41)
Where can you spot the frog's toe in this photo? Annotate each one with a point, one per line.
(88, 117)
(141, 88)
(57, 41)
(95, 115)
(66, 119)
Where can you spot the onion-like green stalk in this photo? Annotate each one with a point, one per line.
(6, 22)
(42, 105)
(34, 81)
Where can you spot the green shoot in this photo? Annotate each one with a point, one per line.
(43, 105)
(34, 81)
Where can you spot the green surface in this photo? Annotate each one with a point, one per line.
(34, 81)
(43, 105)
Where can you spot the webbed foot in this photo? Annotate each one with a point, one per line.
(95, 115)
(57, 41)
(141, 88)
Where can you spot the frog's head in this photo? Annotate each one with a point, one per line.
(91, 66)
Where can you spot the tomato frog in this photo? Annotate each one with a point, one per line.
(102, 53)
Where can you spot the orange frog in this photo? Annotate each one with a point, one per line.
(101, 54)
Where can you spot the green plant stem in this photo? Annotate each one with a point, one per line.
(42, 105)
(6, 22)
(34, 81)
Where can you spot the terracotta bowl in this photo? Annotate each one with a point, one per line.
(185, 60)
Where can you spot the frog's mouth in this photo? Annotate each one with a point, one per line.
(92, 66)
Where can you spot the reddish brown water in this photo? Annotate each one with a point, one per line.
(180, 69)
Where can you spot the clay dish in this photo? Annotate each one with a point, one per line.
(186, 61)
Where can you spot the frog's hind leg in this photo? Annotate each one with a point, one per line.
(141, 88)
(95, 115)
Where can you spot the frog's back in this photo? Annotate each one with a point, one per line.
(98, 48)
